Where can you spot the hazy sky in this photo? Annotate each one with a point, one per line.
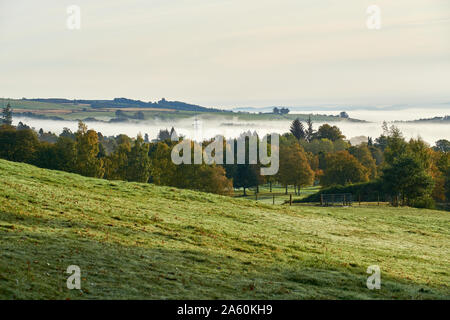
(228, 53)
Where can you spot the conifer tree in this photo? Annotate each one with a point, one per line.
(7, 115)
(297, 129)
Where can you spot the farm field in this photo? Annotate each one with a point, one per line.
(79, 111)
(140, 241)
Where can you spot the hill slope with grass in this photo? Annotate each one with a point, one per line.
(139, 241)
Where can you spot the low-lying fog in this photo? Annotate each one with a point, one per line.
(381, 115)
(430, 132)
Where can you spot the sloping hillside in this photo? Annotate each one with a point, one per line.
(145, 242)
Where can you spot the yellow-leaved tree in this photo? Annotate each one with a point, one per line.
(86, 144)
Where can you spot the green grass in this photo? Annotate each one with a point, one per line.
(139, 241)
(266, 196)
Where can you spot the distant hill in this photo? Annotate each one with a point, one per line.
(338, 107)
(129, 103)
(106, 110)
(445, 119)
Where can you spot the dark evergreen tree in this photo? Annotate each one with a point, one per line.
(163, 135)
(309, 131)
(297, 129)
(7, 115)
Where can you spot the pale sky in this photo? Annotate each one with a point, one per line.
(228, 53)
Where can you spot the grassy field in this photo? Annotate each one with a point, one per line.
(139, 241)
(36, 105)
(265, 196)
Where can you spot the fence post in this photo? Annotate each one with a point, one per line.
(256, 196)
(290, 199)
(273, 200)
(343, 202)
(378, 198)
(321, 199)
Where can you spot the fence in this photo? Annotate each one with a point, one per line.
(344, 199)
(276, 194)
(332, 199)
(272, 198)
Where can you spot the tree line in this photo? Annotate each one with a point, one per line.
(411, 172)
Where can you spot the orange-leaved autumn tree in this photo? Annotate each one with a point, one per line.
(294, 167)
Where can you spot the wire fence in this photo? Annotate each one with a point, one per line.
(344, 199)
(277, 195)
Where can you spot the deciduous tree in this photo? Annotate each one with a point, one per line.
(341, 168)
(86, 161)
(294, 167)
(406, 178)
(138, 167)
(332, 133)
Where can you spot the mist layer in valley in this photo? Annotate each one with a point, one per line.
(380, 115)
(199, 129)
